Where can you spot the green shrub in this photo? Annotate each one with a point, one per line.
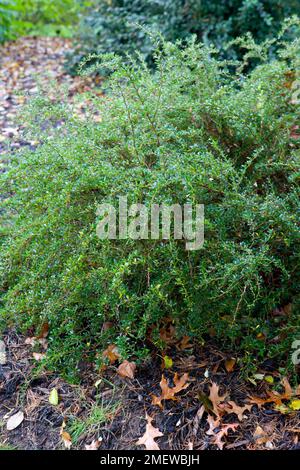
(6, 19)
(39, 17)
(190, 132)
(112, 25)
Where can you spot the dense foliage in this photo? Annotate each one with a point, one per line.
(113, 25)
(42, 17)
(190, 132)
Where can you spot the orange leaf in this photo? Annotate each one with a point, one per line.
(168, 393)
(229, 364)
(111, 353)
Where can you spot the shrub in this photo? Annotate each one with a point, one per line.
(6, 18)
(190, 132)
(39, 17)
(113, 25)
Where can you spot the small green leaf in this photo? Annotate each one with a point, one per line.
(53, 397)
(269, 379)
(168, 362)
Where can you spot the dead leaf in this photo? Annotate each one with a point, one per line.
(216, 399)
(213, 424)
(111, 353)
(184, 343)
(229, 364)
(66, 439)
(15, 420)
(217, 439)
(44, 331)
(151, 433)
(95, 444)
(38, 356)
(260, 436)
(127, 369)
(232, 407)
(168, 393)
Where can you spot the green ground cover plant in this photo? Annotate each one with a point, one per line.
(114, 25)
(197, 130)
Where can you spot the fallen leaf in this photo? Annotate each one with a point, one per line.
(15, 420)
(95, 444)
(111, 353)
(127, 369)
(150, 434)
(53, 397)
(66, 439)
(38, 356)
(295, 405)
(168, 393)
(260, 436)
(184, 343)
(216, 399)
(44, 331)
(229, 364)
(168, 362)
(213, 424)
(269, 379)
(236, 409)
(217, 439)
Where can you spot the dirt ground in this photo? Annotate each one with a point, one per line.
(111, 410)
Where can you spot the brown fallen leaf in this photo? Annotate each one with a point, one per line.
(213, 424)
(44, 331)
(184, 343)
(66, 438)
(151, 433)
(168, 393)
(232, 407)
(216, 399)
(261, 437)
(217, 439)
(94, 445)
(229, 364)
(127, 369)
(275, 397)
(111, 353)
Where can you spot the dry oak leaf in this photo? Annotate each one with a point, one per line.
(168, 393)
(236, 409)
(217, 439)
(275, 397)
(151, 433)
(127, 369)
(213, 424)
(111, 353)
(216, 399)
